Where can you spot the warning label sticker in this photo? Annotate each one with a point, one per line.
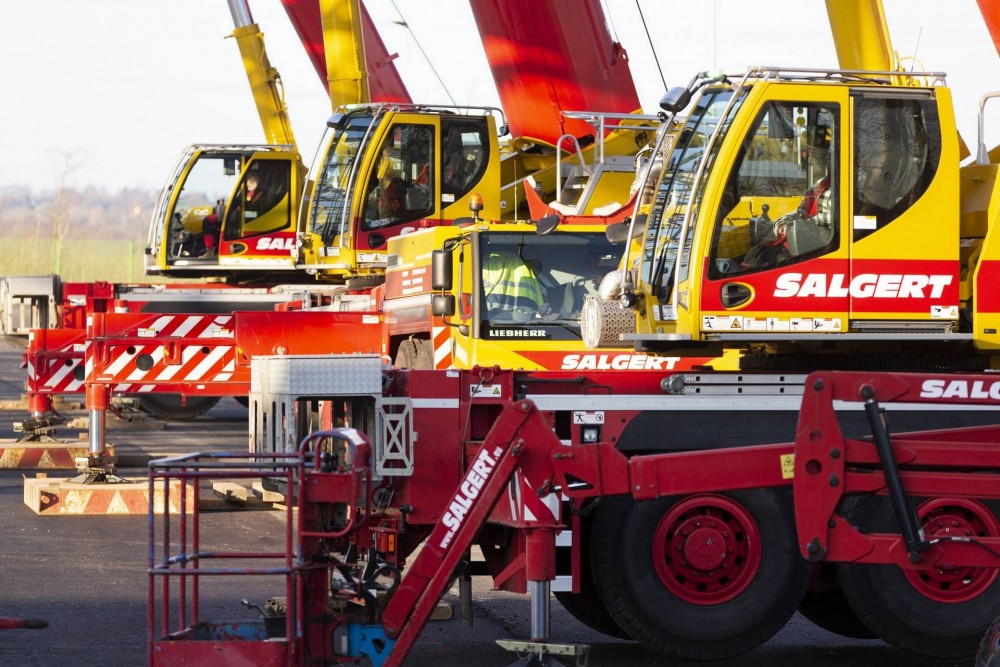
(486, 391)
(588, 417)
(787, 466)
(731, 323)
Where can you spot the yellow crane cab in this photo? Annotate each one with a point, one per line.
(799, 208)
(227, 210)
(383, 169)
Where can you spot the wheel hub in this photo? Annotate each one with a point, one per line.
(962, 518)
(706, 549)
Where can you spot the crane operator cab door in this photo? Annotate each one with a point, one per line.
(822, 209)
(380, 173)
(258, 227)
(226, 209)
(779, 214)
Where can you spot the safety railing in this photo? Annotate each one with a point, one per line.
(181, 559)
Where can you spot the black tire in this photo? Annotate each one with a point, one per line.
(724, 609)
(415, 354)
(242, 400)
(170, 406)
(830, 610)
(587, 605)
(989, 647)
(941, 613)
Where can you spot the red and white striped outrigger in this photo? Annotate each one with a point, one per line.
(210, 354)
(196, 352)
(152, 352)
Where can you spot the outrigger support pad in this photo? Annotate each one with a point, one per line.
(98, 470)
(540, 654)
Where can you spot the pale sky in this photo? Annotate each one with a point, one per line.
(117, 88)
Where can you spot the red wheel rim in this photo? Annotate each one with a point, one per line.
(954, 517)
(706, 549)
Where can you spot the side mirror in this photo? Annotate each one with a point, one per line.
(441, 270)
(675, 100)
(618, 232)
(547, 225)
(443, 305)
(336, 120)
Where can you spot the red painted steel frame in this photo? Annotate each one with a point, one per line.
(185, 560)
(55, 357)
(519, 441)
(960, 463)
(950, 465)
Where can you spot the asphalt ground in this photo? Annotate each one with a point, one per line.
(86, 576)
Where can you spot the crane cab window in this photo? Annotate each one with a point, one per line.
(667, 246)
(260, 204)
(401, 187)
(334, 174)
(779, 204)
(464, 156)
(535, 286)
(897, 149)
(194, 219)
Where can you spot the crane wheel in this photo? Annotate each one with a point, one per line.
(940, 612)
(587, 606)
(415, 354)
(170, 406)
(829, 609)
(989, 648)
(701, 577)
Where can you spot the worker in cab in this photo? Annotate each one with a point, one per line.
(252, 197)
(511, 289)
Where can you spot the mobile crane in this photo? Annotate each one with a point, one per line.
(253, 244)
(630, 611)
(814, 218)
(755, 240)
(342, 237)
(287, 238)
(701, 554)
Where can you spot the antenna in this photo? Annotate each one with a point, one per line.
(402, 22)
(651, 47)
(915, 48)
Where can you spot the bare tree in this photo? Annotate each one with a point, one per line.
(59, 213)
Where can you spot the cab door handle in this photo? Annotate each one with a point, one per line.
(734, 295)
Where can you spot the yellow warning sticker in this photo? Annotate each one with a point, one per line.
(787, 466)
